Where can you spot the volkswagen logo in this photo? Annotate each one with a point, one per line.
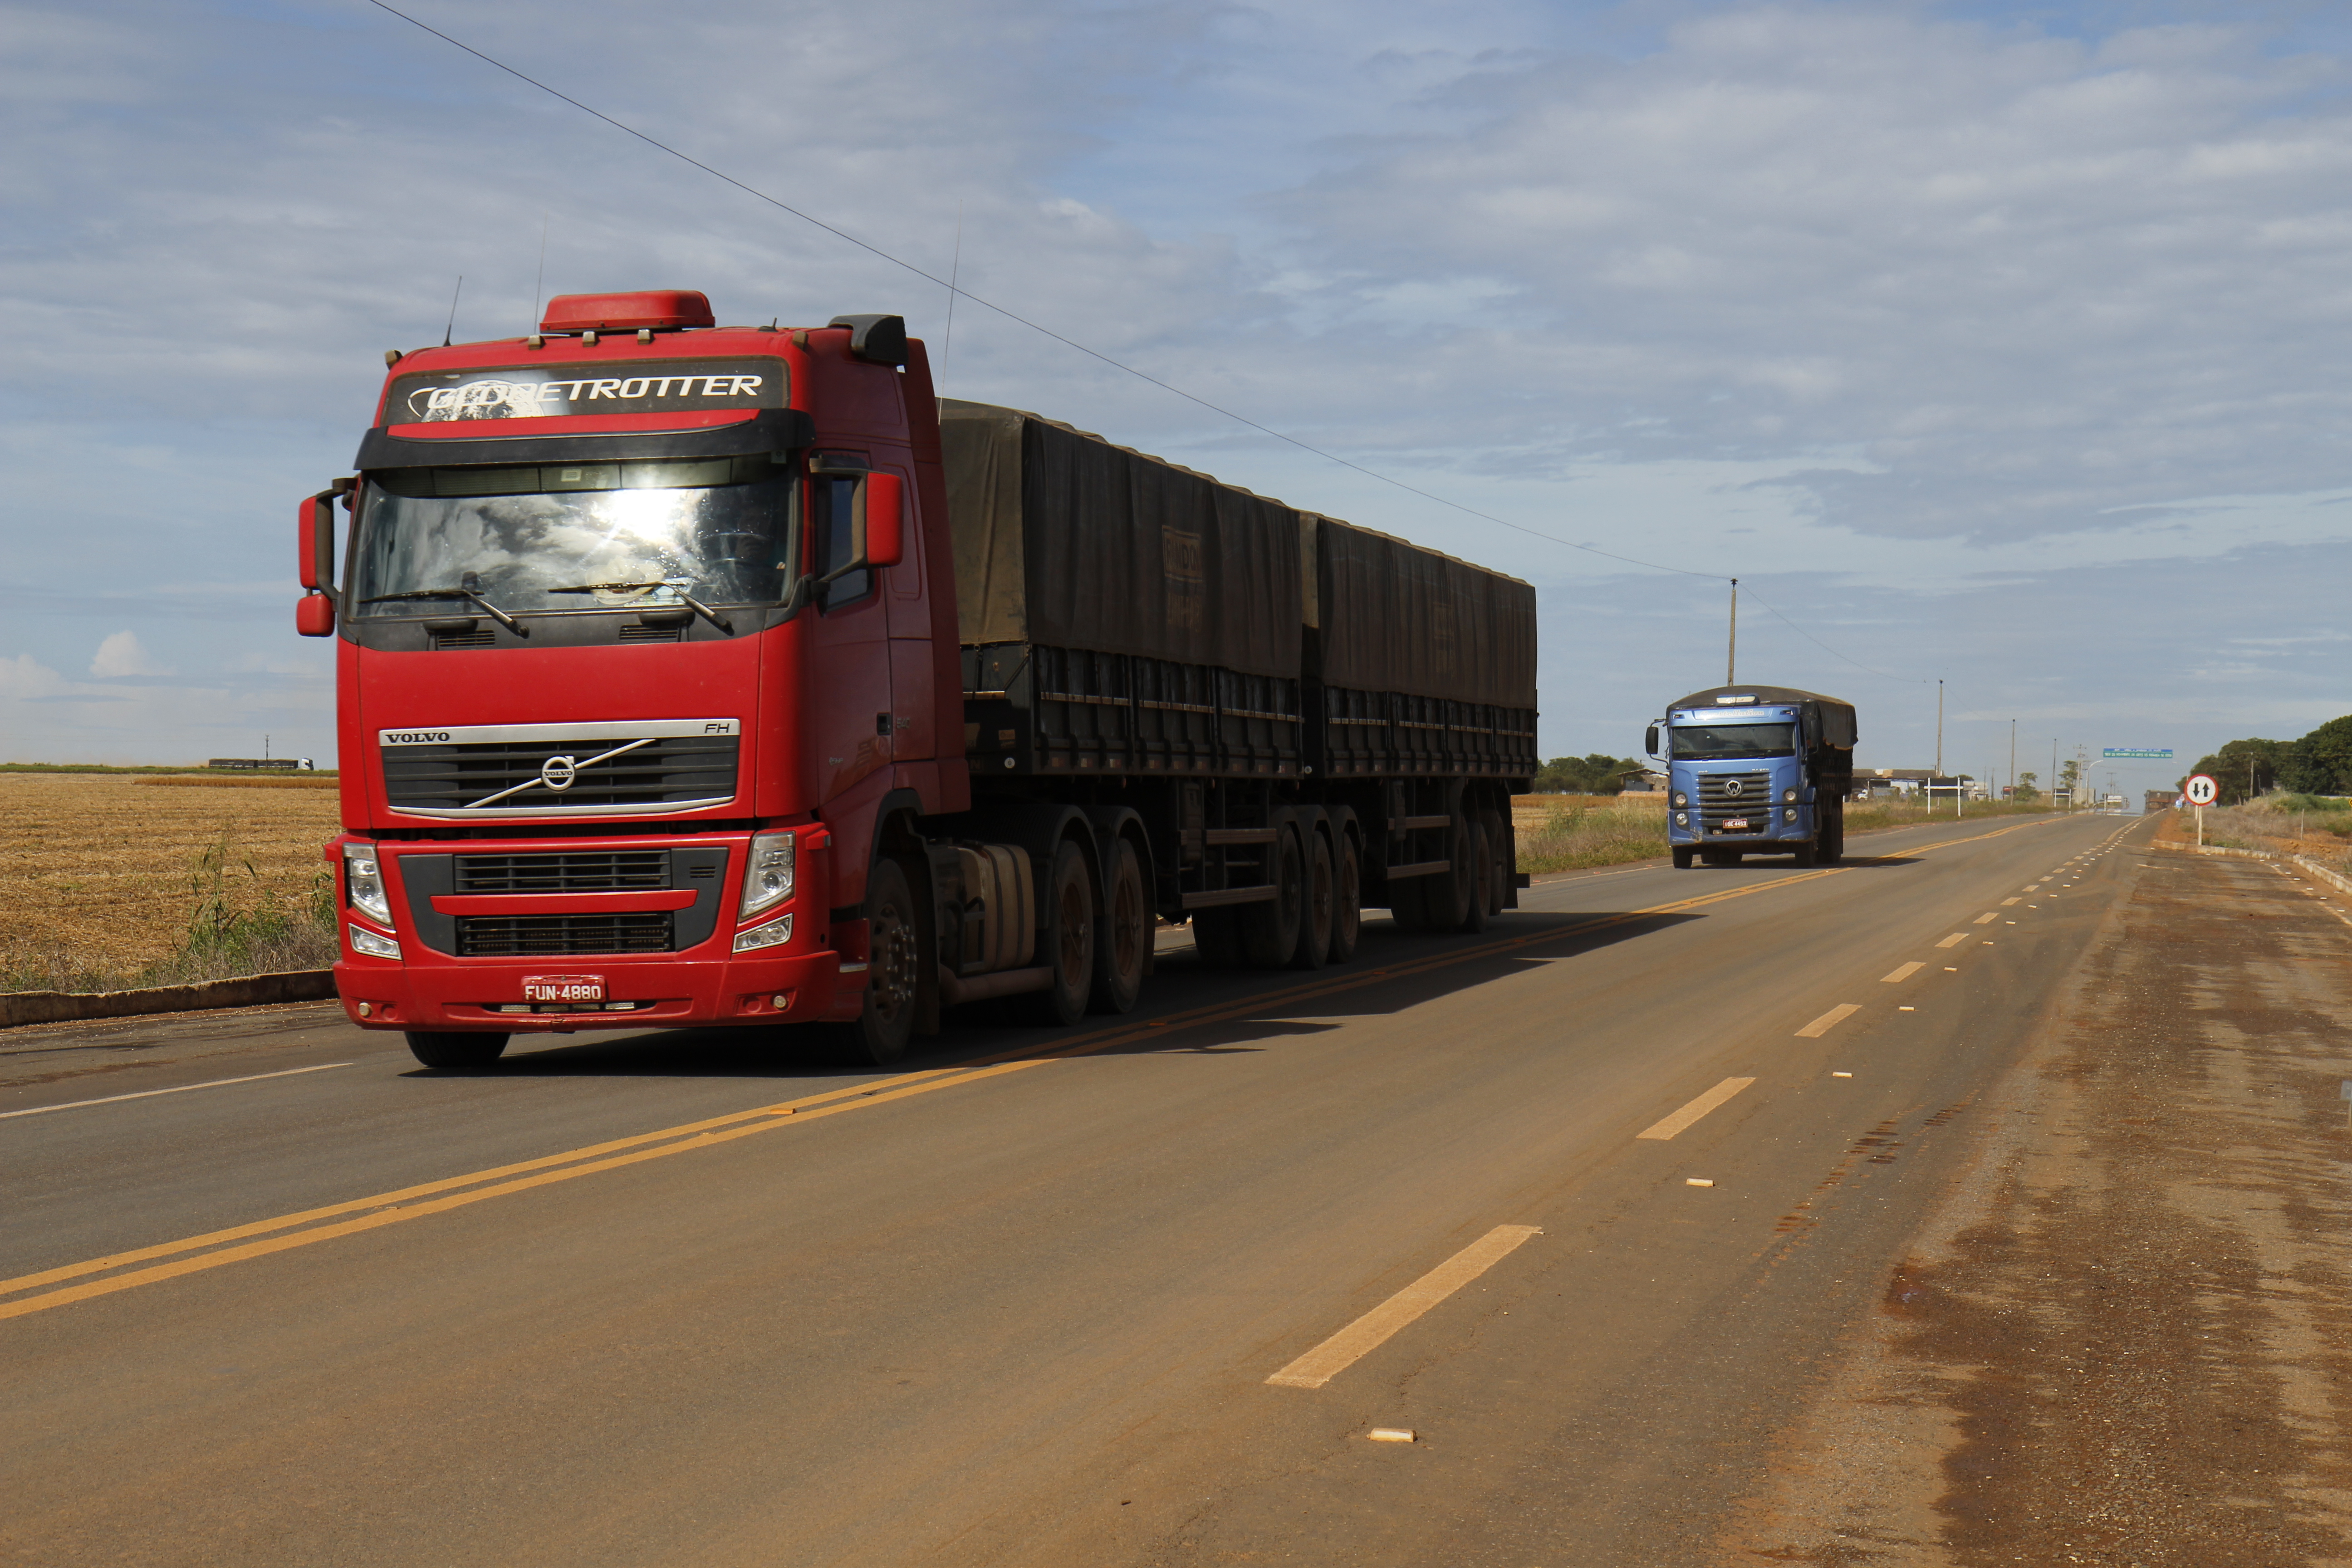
(557, 772)
(1732, 788)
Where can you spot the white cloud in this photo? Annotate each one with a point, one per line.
(122, 654)
(24, 676)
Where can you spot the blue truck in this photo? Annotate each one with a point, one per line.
(1756, 770)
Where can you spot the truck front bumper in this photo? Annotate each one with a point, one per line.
(673, 993)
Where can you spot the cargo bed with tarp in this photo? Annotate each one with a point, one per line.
(1119, 613)
(1418, 663)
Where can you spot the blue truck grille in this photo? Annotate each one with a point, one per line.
(1725, 798)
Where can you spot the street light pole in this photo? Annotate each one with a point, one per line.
(1731, 654)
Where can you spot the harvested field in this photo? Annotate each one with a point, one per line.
(99, 872)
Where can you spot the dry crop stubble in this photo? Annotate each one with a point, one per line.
(95, 867)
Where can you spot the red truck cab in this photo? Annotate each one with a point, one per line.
(643, 623)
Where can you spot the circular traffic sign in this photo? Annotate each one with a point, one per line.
(2202, 790)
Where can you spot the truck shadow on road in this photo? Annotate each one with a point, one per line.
(1391, 973)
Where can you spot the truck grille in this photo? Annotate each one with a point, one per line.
(534, 936)
(673, 772)
(575, 871)
(1717, 803)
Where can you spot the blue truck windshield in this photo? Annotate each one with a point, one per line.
(1697, 742)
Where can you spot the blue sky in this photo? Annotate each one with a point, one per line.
(1998, 344)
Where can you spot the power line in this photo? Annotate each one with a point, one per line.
(949, 283)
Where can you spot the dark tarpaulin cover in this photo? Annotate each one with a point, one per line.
(1836, 714)
(1065, 540)
(1398, 617)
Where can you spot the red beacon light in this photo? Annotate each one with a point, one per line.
(654, 308)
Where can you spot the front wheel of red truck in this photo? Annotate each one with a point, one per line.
(454, 1050)
(881, 1033)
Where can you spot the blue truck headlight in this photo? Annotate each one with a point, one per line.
(1790, 815)
(1681, 799)
(363, 884)
(1681, 819)
(1789, 796)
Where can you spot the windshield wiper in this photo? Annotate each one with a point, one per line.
(677, 588)
(488, 609)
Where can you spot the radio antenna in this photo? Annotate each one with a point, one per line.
(538, 288)
(955, 270)
(452, 327)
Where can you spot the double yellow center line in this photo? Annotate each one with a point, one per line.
(97, 1277)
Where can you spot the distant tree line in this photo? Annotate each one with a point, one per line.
(2319, 764)
(1599, 774)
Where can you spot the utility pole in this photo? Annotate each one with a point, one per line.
(1940, 727)
(2013, 758)
(1731, 655)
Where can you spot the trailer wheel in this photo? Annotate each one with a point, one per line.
(884, 1025)
(1346, 901)
(454, 1050)
(1315, 912)
(1067, 943)
(1482, 881)
(1124, 943)
(1217, 937)
(1682, 857)
(1498, 861)
(1270, 930)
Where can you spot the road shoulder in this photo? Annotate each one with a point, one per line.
(2119, 1339)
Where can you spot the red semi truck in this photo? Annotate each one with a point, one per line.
(699, 676)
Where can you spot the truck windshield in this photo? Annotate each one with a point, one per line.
(717, 530)
(1693, 742)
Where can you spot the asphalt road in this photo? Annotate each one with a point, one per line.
(671, 1298)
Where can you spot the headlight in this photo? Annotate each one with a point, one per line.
(367, 941)
(1681, 819)
(1790, 815)
(363, 884)
(776, 934)
(1789, 796)
(768, 880)
(1681, 799)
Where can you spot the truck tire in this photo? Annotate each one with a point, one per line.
(1438, 901)
(1316, 909)
(884, 1025)
(1833, 834)
(1482, 881)
(1346, 901)
(1123, 945)
(1217, 937)
(1067, 942)
(454, 1050)
(1682, 857)
(1270, 928)
(1498, 862)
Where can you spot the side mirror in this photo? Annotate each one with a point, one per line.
(1650, 741)
(314, 616)
(882, 500)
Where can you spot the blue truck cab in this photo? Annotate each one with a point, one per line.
(1756, 770)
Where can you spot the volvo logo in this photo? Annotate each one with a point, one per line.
(557, 773)
(1733, 787)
